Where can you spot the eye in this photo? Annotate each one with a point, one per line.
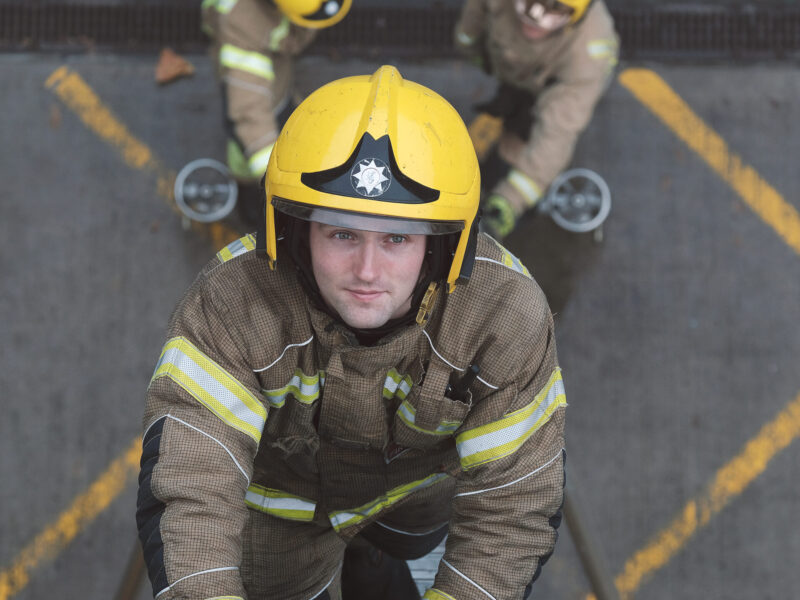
(397, 239)
(342, 235)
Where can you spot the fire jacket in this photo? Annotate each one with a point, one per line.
(253, 45)
(566, 73)
(260, 401)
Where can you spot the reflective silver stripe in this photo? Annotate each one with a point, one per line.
(212, 386)
(225, 6)
(505, 436)
(396, 385)
(465, 39)
(259, 161)
(527, 187)
(247, 61)
(304, 388)
(408, 413)
(345, 518)
(279, 504)
(237, 247)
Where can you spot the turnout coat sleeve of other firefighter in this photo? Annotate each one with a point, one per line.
(246, 347)
(567, 73)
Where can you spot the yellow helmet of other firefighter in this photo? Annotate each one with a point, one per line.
(378, 153)
(575, 8)
(578, 7)
(314, 14)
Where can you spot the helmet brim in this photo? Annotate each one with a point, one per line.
(365, 222)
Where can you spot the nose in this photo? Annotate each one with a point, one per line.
(366, 265)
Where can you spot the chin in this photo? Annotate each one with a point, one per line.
(364, 321)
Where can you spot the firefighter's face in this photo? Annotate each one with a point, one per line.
(365, 276)
(540, 19)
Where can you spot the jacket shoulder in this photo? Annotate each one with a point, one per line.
(262, 307)
(496, 317)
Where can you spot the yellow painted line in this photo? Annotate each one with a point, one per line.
(652, 91)
(728, 483)
(82, 100)
(79, 97)
(84, 509)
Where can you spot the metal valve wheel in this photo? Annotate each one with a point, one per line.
(205, 191)
(578, 200)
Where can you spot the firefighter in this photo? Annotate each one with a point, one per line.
(367, 371)
(253, 46)
(553, 60)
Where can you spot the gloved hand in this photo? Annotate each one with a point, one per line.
(498, 217)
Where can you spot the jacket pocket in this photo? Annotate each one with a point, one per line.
(426, 417)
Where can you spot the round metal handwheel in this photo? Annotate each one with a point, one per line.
(578, 200)
(205, 191)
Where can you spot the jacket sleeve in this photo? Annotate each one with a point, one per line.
(203, 422)
(562, 111)
(469, 31)
(509, 493)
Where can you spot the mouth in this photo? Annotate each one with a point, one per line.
(365, 295)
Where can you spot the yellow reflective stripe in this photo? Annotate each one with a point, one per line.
(508, 260)
(514, 263)
(225, 6)
(407, 414)
(434, 594)
(505, 436)
(279, 504)
(278, 34)
(345, 518)
(527, 187)
(396, 385)
(237, 247)
(245, 60)
(304, 388)
(212, 386)
(603, 49)
(259, 161)
(222, 6)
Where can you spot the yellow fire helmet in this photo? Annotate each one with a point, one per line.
(378, 153)
(314, 14)
(578, 7)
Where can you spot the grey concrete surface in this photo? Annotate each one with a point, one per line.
(678, 333)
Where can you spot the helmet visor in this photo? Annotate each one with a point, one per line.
(365, 222)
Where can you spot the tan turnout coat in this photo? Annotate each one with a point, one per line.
(264, 415)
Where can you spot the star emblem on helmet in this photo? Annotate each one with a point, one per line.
(370, 177)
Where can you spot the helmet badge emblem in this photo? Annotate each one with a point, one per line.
(370, 177)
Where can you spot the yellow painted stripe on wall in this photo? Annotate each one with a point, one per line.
(652, 91)
(81, 99)
(84, 509)
(728, 483)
